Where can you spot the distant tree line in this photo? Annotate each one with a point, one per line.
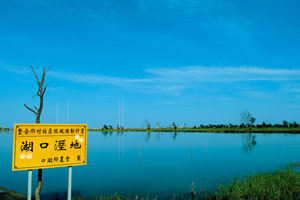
(284, 124)
(3, 129)
(107, 127)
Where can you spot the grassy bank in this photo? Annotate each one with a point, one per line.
(278, 185)
(281, 184)
(208, 130)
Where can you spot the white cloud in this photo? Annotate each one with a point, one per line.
(15, 69)
(168, 102)
(96, 79)
(56, 89)
(224, 74)
(176, 80)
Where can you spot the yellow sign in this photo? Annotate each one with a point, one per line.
(39, 146)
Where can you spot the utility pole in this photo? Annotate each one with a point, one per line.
(123, 113)
(57, 112)
(68, 112)
(119, 123)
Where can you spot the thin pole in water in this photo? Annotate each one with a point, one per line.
(70, 183)
(119, 122)
(140, 155)
(191, 150)
(29, 184)
(140, 151)
(205, 150)
(123, 113)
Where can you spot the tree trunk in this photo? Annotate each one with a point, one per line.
(38, 111)
(39, 187)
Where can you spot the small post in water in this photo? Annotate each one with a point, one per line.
(29, 184)
(70, 184)
(140, 155)
(191, 150)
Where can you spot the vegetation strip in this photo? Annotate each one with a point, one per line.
(206, 130)
(281, 184)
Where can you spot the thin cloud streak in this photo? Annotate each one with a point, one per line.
(224, 74)
(17, 70)
(175, 80)
(96, 79)
(188, 75)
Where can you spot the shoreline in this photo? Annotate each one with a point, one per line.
(197, 130)
(204, 130)
(10, 194)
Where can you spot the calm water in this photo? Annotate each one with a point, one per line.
(159, 164)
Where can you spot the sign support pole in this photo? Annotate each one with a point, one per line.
(29, 184)
(70, 183)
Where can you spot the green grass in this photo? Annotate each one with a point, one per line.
(278, 185)
(281, 184)
(117, 196)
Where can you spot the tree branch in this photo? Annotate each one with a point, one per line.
(43, 76)
(44, 91)
(30, 109)
(48, 70)
(45, 88)
(35, 76)
(38, 93)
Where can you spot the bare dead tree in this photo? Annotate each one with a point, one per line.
(38, 111)
(248, 119)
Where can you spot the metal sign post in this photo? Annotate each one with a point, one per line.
(70, 183)
(29, 184)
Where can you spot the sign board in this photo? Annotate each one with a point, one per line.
(38, 146)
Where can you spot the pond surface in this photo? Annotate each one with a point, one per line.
(158, 164)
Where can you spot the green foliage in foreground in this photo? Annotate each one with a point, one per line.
(278, 185)
(117, 197)
(283, 184)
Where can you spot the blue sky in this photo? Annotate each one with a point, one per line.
(191, 62)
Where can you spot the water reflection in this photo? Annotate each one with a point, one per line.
(140, 156)
(121, 145)
(174, 136)
(157, 136)
(105, 133)
(249, 142)
(206, 151)
(191, 150)
(148, 137)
